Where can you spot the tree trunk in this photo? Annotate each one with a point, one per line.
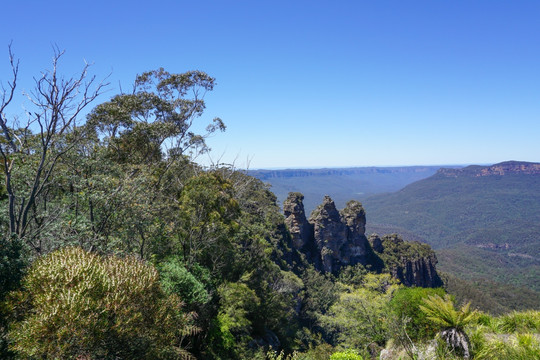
(458, 341)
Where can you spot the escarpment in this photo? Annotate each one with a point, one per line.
(412, 263)
(332, 239)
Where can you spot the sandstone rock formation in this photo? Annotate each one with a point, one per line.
(500, 169)
(376, 243)
(331, 239)
(412, 263)
(329, 233)
(355, 250)
(295, 219)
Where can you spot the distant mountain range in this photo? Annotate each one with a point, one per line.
(484, 221)
(341, 184)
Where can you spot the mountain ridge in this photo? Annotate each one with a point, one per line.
(500, 169)
(342, 184)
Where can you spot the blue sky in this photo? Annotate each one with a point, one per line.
(316, 83)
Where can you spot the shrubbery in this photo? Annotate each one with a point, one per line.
(76, 304)
(406, 303)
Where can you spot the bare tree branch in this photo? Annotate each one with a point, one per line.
(58, 103)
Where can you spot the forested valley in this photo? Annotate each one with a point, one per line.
(117, 245)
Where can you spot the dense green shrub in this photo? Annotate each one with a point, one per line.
(345, 355)
(77, 304)
(406, 303)
(359, 317)
(176, 279)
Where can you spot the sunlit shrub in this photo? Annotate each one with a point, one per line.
(345, 355)
(77, 304)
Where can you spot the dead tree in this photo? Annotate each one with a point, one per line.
(56, 104)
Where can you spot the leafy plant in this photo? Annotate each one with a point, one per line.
(406, 303)
(76, 304)
(360, 315)
(176, 279)
(441, 312)
(345, 355)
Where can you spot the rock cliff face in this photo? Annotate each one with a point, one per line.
(330, 234)
(295, 219)
(500, 169)
(332, 239)
(413, 263)
(329, 239)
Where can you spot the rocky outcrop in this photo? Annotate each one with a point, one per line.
(376, 243)
(355, 249)
(420, 272)
(412, 263)
(329, 239)
(329, 233)
(332, 239)
(295, 219)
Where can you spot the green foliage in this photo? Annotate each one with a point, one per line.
(522, 321)
(13, 261)
(406, 303)
(237, 300)
(441, 311)
(320, 352)
(514, 322)
(516, 347)
(345, 355)
(360, 315)
(78, 304)
(353, 275)
(395, 249)
(208, 216)
(176, 279)
(320, 293)
(222, 343)
(136, 126)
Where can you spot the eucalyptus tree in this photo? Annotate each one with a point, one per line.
(147, 137)
(31, 148)
(155, 121)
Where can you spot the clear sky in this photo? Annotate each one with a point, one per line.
(316, 83)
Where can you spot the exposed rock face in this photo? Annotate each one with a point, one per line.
(331, 240)
(295, 219)
(354, 251)
(420, 272)
(376, 243)
(330, 234)
(500, 169)
(413, 263)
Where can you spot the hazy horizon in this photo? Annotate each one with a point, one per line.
(383, 166)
